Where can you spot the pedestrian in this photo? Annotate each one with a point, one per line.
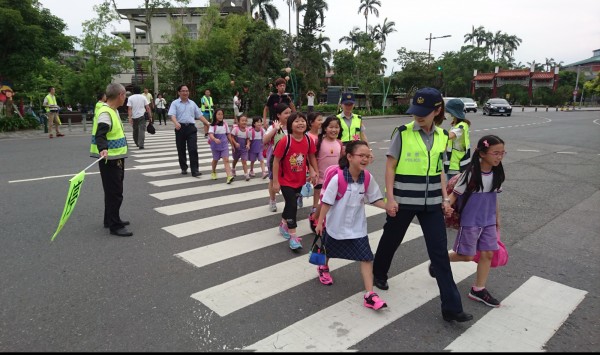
(245, 98)
(459, 144)
(240, 143)
(315, 120)
(352, 126)
(52, 112)
(345, 234)
(161, 108)
(276, 131)
(329, 151)
(275, 99)
(150, 99)
(236, 105)
(416, 186)
(101, 97)
(293, 154)
(207, 108)
(475, 195)
(109, 142)
(255, 153)
(218, 138)
(138, 108)
(183, 113)
(310, 101)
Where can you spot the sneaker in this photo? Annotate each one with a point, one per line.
(312, 222)
(247, 177)
(50, 135)
(252, 174)
(299, 201)
(265, 174)
(213, 175)
(372, 300)
(324, 275)
(283, 230)
(230, 179)
(60, 135)
(295, 242)
(485, 297)
(273, 206)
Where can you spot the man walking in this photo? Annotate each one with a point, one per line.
(108, 142)
(52, 112)
(183, 112)
(137, 107)
(274, 100)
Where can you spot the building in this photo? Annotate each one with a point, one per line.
(589, 68)
(162, 24)
(524, 77)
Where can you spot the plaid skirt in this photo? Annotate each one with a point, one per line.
(351, 249)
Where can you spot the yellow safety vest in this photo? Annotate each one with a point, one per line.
(51, 101)
(417, 182)
(117, 143)
(458, 159)
(208, 107)
(352, 133)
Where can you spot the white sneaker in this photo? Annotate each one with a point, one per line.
(247, 177)
(273, 206)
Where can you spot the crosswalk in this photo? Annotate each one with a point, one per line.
(527, 319)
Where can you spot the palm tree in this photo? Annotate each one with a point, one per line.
(477, 36)
(383, 31)
(294, 5)
(317, 5)
(325, 51)
(367, 6)
(352, 38)
(266, 10)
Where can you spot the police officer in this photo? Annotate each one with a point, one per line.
(108, 141)
(352, 127)
(416, 186)
(206, 106)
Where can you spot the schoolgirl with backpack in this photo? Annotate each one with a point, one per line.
(257, 150)
(219, 144)
(272, 136)
(343, 220)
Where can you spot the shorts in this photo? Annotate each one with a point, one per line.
(207, 116)
(240, 154)
(218, 154)
(471, 239)
(252, 156)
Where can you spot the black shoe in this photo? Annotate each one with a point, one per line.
(121, 232)
(431, 271)
(124, 223)
(381, 284)
(196, 173)
(459, 317)
(183, 172)
(141, 147)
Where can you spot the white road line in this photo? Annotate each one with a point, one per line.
(230, 248)
(171, 157)
(348, 322)
(210, 202)
(166, 195)
(173, 172)
(528, 150)
(525, 321)
(246, 290)
(205, 175)
(566, 152)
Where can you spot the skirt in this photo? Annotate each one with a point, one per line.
(350, 249)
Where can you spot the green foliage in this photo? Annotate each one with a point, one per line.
(592, 87)
(15, 123)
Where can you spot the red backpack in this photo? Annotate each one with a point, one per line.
(453, 221)
(333, 170)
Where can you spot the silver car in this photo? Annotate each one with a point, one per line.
(470, 104)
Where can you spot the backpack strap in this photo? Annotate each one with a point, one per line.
(398, 129)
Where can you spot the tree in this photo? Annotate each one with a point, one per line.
(367, 6)
(352, 39)
(344, 65)
(266, 10)
(383, 31)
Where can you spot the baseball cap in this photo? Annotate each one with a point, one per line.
(347, 98)
(425, 101)
(456, 108)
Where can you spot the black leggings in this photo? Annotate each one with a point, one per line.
(290, 195)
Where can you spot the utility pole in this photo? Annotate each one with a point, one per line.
(429, 39)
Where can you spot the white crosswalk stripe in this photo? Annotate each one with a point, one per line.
(527, 319)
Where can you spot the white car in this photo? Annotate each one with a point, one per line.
(470, 104)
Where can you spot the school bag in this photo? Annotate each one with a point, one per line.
(226, 129)
(334, 170)
(500, 257)
(453, 221)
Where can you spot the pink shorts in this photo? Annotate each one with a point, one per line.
(471, 239)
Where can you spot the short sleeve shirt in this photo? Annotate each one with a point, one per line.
(184, 112)
(480, 210)
(273, 101)
(295, 164)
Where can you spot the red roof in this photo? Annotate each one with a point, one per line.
(484, 77)
(542, 76)
(513, 73)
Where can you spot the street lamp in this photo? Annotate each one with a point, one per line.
(134, 66)
(291, 78)
(429, 39)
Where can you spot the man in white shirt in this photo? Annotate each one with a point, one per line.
(137, 105)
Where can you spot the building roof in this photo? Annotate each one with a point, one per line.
(513, 73)
(484, 76)
(592, 60)
(542, 76)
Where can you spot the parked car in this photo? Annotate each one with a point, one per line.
(470, 104)
(497, 106)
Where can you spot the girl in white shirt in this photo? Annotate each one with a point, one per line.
(345, 236)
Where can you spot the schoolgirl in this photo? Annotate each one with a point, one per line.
(274, 133)
(219, 144)
(240, 142)
(256, 146)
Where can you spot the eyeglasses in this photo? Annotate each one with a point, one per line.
(363, 156)
(498, 154)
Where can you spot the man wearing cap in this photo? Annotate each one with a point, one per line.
(352, 127)
(459, 144)
(416, 186)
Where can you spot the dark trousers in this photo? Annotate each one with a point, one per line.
(112, 173)
(187, 135)
(290, 211)
(434, 232)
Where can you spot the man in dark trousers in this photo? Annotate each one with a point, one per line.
(108, 142)
(416, 186)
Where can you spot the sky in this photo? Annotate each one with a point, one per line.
(548, 29)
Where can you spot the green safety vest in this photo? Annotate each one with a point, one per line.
(352, 134)
(418, 183)
(51, 101)
(117, 143)
(459, 158)
(208, 107)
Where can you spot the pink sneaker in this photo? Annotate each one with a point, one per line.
(372, 300)
(324, 275)
(252, 173)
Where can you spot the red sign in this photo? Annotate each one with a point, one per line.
(575, 92)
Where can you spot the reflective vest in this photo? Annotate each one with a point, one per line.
(417, 183)
(209, 105)
(51, 101)
(352, 134)
(459, 150)
(117, 144)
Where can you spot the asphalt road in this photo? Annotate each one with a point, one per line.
(89, 291)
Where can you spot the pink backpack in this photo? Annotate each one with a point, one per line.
(331, 171)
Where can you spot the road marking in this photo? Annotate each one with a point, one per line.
(230, 248)
(527, 319)
(346, 323)
(566, 152)
(246, 290)
(171, 157)
(208, 188)
(528, 150)
(189, 179)
(210, 203)
(173, 172)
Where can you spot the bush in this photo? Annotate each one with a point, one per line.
(11, 124)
